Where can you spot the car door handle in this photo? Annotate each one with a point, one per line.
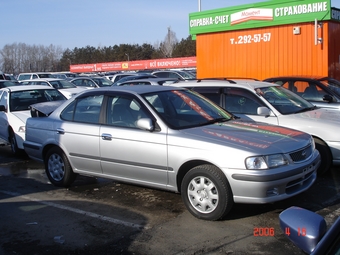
(106, 137)
(60, 131)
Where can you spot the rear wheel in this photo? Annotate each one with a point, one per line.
(58, 168)
(206, 193)
(326, 156)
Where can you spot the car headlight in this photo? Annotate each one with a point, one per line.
(266, 162)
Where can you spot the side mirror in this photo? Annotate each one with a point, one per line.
(303, 227)
(2, 108)
(145, 124)
(327, 98)
(263, 111)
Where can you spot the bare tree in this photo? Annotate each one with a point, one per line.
(18, 58)
(167, 46)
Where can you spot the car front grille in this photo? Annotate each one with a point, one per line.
(301, 155)
(296, 185)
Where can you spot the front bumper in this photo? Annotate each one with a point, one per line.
(268, 186)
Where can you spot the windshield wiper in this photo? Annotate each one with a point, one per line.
(217, 120)
(307, 109)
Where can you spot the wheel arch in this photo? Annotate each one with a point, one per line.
(186, 167)
(319, 138)
(326, 155)
(10, 132)
(47, 148)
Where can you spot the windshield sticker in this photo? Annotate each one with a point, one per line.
(269, 129)
(193, 105)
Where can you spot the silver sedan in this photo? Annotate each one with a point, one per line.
(172, 139)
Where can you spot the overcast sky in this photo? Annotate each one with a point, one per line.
(101, 23)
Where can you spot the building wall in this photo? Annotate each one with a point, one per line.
(264, 52)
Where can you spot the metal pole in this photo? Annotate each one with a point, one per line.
(199, 5)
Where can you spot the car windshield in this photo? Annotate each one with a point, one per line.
(62, 84)
(21, 100)
(45, 75)
(185, 109)
(7, 83)
(332, 84)
(102, 82)
(132, 77)
(187, 75)
(283, 100)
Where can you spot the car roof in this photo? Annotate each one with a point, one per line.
(47, 79)
(25, 87)
(36, 73)
(131, 89)
(309, 77)
(249, 83)
(156, 79)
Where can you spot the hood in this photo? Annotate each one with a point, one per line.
(257, 137)
(315, 122)
(321, 114)
(22, 115)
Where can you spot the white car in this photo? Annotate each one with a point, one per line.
(14, 111)
(29, 76)
(272, 103)
(67, 88)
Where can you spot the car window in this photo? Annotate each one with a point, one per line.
(21, 100)
(309, 90)
(103, 82)
(3, 98)
(162, 74)
(84, 110)
(184, 109)
(241, 101)
(124, 111)
(174, 75)
(43, 75)
(24, 77)
(212, 93)
(62, 84)
(333, 85)
(283, 100)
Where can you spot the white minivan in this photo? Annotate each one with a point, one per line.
(30, 76)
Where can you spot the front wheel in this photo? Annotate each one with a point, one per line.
(58, 168)
(206, 193)
(14, 144)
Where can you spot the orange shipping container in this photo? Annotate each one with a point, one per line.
(262, 48)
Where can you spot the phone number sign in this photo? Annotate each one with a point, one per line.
(247, 39)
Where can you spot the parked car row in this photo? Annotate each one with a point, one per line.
(67, 88)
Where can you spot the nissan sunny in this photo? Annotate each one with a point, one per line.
(172, 139)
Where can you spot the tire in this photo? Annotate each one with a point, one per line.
(14, 145)
(326, 157)
(206, 193)
(58, 168)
